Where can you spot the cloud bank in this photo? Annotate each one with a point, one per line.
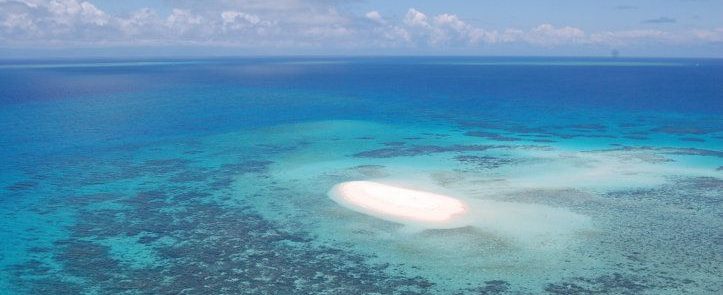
(296, 24)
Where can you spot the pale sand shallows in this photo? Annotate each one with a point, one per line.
(399, 204)
(534, 225)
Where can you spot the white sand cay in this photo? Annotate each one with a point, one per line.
(534, 225)
(399, 204)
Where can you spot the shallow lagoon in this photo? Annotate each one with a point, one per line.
(213, 176)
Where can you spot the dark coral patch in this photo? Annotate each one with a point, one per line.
(193, 152)
(615, 283)
(165, 166)
(418, 150)
(21, 186)
(189, 176)
(252, 166)
(667, 150)
(629, 125)
(543, 140)
(490, 136)
(636, 137)
(88, 259)
(199, 246)
(692, 139)
(374, 171)
(591, 126)
(493, 287)
(393, 143)
(221, 251)
(681, 130)
(484, 162)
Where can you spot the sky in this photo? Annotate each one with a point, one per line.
(77, 28)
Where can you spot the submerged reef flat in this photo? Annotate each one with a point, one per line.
(221, 177)
(417, 150)
(226, 214)
(574, 189)
(177, 236)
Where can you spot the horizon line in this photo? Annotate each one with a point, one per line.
(323, 56)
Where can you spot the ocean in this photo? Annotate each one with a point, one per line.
(213, 176)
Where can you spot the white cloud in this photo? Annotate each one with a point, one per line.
(183, 18)
(441, 30)
(618, 38)
(82, 11)
(187, 26)
(328, 32)
(290, 24)
(21, 22)
(52, 21)
(549, 35)
(144, 22)
(235, 17)
(415, 18)
(375, 16)
(455, 29)
(713, 36)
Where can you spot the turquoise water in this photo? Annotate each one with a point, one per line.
(212, 176)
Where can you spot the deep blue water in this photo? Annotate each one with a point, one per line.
(135, 176)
